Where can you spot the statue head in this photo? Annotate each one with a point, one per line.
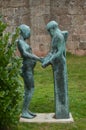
(51, 27)
(24, 31)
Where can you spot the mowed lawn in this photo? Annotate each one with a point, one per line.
(43, 98)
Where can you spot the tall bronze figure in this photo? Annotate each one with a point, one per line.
(57, 58)
(29, 62)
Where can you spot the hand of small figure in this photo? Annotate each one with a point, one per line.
(45, 63)
(41, 59)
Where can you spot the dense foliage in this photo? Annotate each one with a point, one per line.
(10, 84)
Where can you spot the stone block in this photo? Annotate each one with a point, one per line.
(82, 29)
(8, 11)
(5, 4)
(69, 38)
(36, 3)
(21, 11)
(46, 19)
(76, 38)
(82, 38)
(84, 10)
(80, 52)
(58, 3)
(82, 45)
(75, 10)
(59, 11)
(13, 3)
(47, 10)
(71, 51)
(0, 3)
(77, 20)
(47, 3)
(26, 19)
(65, 20)
(39, 10)
(81, 3)
(47, 118)
(73, 3)
(77, 29)
(17, 3)
(0, 10)
(17, 20)
(73, 45)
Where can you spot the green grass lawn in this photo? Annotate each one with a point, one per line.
(43, 98)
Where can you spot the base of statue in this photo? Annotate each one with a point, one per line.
(47, 118)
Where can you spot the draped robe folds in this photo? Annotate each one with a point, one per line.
(57, 58)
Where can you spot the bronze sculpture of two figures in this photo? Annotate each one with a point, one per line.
(56, 58)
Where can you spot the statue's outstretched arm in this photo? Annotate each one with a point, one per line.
(46, 60)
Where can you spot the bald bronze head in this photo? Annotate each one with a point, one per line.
(25, 31)
(51, 27)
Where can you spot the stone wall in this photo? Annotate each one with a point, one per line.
(39, 15)
(70, 14)
(15, 12)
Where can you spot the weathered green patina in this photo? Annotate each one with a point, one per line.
(57, 58)
(29, 62)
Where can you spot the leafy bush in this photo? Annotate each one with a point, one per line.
(10, 84)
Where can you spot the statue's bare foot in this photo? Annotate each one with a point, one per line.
(27, 115)
(33, 114)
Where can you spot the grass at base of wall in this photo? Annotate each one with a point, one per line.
(43, 98)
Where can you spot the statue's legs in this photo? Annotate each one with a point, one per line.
(61, 91)
(29, 89)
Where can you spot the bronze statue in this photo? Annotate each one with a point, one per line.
(29, 62)
(57, 59)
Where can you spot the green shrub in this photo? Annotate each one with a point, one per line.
(10, 84)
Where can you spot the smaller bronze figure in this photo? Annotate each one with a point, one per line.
(57, 59)
(29, 62)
